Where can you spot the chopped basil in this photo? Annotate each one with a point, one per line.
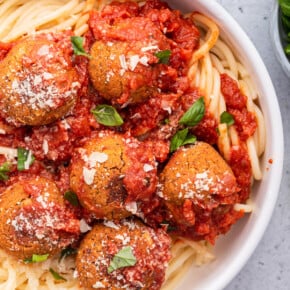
(4, 169)
(227, 118)
(56, 275)
(67, 252)
(107, 115)
(163, 56)
(181, 138)
(72, 198)
(36, 258)
(77, 43)
(194, 114)
(24, 158)
(123, 258)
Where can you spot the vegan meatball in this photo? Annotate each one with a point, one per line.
(35, 220)
(198, 188)
(145, 253)
(124, 66)
(114, 73)
(38, 82)
(111, 172)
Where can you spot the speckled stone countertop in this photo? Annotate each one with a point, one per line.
(269, 266)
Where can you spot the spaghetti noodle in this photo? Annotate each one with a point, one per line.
(213, 58)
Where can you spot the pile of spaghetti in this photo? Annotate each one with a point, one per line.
(130, 137)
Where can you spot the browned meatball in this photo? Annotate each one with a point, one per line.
(150, 249)
(111, 172)
(197, 185)
(35, 220)
(126, 71)
(38, 83)
(112, 78)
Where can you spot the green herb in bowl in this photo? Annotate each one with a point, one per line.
(284, 15)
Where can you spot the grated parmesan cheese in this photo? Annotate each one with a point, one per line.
(148, 167)
(149, 47)
(89, 175)
(144, 60)
(8, 152)
(65, 124)
(202, 182)
(84, 227)
(43, 50)
(123, 62)
(97, 157)
(45, 146)
(111, 224)
(98, 285)
(131, 207)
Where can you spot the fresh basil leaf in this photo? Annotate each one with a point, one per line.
(124, 258)
(72, 198)
(107, 115)
(163, 56)
(178, 139)
(24, 158)
(181, 138)
(190, 139)
(227, 118)
(56, 275)
(77, 43)
(67, 252)
(4, 169)
(194, 114)
(36, 258)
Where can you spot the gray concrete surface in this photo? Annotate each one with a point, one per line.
(269, 266)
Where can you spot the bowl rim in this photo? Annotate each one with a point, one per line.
(270, 107)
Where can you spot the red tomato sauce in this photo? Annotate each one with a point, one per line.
(245, 121)
(241, 166)
(140, 183)
(4, 48)
(246, 125)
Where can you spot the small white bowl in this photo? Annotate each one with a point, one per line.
(276, 32)
(234, 249)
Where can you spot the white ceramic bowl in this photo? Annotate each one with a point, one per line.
(234, 249)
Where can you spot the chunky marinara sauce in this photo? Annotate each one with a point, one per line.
(246, 124)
